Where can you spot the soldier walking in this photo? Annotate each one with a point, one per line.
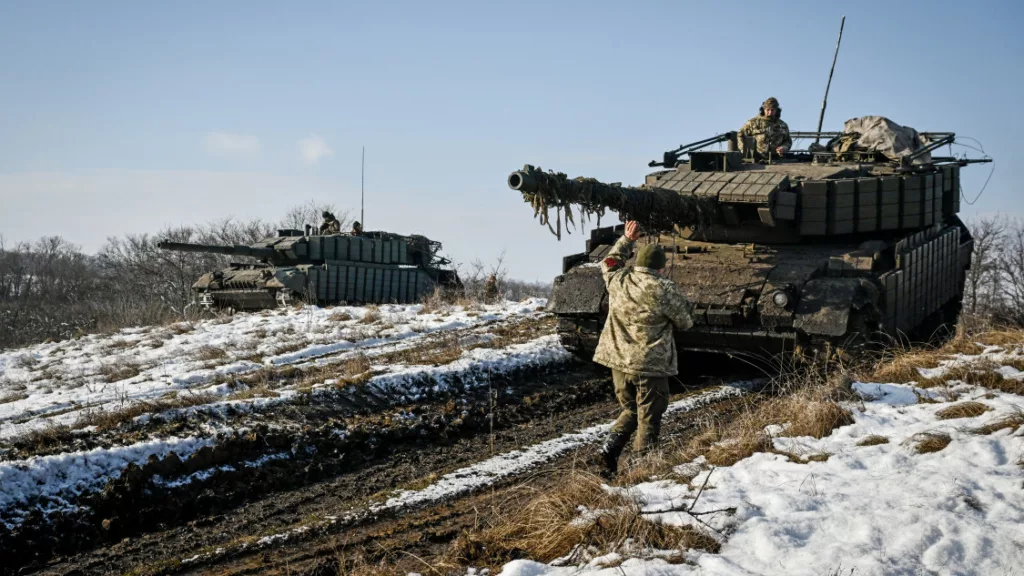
(638, 342)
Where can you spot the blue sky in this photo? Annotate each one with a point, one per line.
(122, 117)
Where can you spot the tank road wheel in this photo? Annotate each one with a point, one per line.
(283, 298)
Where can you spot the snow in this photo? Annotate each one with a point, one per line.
(54, 483)
(873, 510)
(64, 381)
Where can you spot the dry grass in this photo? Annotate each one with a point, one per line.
(901, 367)
(261, 391)
(108, 419)
(550, 526)
(181, 328)
(339, 316)
(117, 371)
(371, 315)
(8, 397)
(873, 440)
(208, 353)
(1013, 421)
(962, 410)
(1004, 338)
(928, 442)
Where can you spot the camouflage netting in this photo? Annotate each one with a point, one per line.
(654, 208)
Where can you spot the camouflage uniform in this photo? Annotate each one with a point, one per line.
(491, 289)
(638, 344)
(768, 133)
(330, 225)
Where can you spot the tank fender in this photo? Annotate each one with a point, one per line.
(825, 305)
(579, 291)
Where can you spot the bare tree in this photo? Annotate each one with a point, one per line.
(1011, 272)
(311, 213)
(981, 291)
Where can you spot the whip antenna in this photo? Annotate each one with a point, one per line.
(824, 101)
(362, 192)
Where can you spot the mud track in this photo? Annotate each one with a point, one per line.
(219, 522)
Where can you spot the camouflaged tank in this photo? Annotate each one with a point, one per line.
(810, 250)
(372, 268)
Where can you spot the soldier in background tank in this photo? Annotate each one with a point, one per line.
(357, 228)
(811, 251)
(770, 135)
(376, 267)
(330, 225)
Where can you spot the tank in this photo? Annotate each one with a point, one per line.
(371, 268)
(812, 250)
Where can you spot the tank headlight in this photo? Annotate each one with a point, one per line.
(780, 298)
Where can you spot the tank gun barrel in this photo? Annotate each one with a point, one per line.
(235, 250)
(654, 208)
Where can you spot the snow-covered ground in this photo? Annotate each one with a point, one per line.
(58, 383)
(54, 483)
(869, 509)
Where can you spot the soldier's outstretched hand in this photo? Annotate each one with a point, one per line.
(633, 230)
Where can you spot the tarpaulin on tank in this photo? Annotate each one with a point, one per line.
(880, 134)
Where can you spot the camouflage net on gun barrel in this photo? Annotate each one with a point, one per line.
(654, 208)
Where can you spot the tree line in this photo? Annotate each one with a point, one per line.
(994, 288)
(51, 290)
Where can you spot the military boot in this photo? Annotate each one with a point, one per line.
(610, 452)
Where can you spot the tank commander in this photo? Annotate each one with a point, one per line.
(769, 132)
(491, 289)
(357, 228)
(330, 224)
(638, 342)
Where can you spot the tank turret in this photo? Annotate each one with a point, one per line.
(827, 247)
(372, 267)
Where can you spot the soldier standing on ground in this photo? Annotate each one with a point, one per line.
(769, 132)
(330, 224)
(491, 289)
(638, 341)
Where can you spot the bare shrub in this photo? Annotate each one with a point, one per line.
(7, 397)
(962, 410)
(109, 419)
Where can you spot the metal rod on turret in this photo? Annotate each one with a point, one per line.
(824, 101)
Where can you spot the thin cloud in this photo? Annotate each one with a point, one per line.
(312, 148)
(228, 144)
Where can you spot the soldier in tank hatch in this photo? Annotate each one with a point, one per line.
(638, 341)
(357, 228)
(330, 225)
(769, 132)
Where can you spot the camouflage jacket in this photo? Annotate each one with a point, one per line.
(644, 310)
(330, 227)
(767, 132)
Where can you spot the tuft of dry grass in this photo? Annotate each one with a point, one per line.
(181, 328)
(261, 391)
(1001, 337)
(962, 410)
(873, 440)
(371, 315)
(1013, 421)
(902, 367)
(551, 526)
(340, 316)
(208, 353)
(928, 442)
(117, 371)
(12, 397)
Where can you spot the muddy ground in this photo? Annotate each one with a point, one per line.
(216, 525)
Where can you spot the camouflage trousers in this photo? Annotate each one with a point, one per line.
(643, 400)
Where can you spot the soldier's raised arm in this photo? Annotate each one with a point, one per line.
(621, 251)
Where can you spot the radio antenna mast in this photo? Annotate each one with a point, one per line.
(824, 101)
(362, 192)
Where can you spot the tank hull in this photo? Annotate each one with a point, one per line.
(843, 294)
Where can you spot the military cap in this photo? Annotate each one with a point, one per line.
(651, 256)
(772, 101)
